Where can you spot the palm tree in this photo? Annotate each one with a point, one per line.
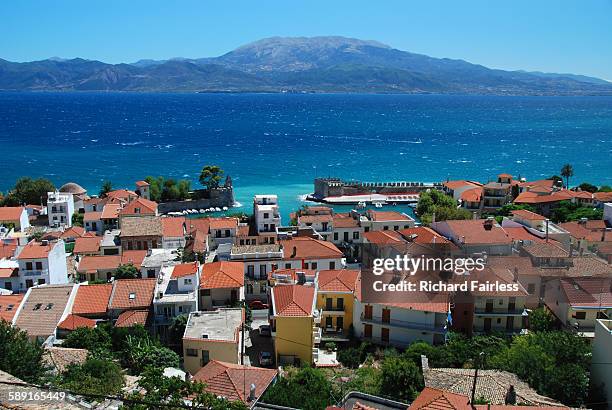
(567, 171)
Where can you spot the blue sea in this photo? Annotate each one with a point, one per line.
(278, 143)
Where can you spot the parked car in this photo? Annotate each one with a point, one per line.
(265, 330)
(258, 305)
(265, 359)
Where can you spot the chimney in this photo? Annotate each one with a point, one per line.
(252, 396)
(510, 398)
(488, 223)
(424, 363)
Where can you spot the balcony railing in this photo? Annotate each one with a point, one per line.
(500, 312)
(316, 335)
(404, 324)
(331, 310)
(36, 272)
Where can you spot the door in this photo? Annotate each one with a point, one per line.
(340, 303)
(367, 314)
(328, 322)
(29, 283)
(329, 303)
(386, 315)
(489, 306)
(487, 324)
(510, 323)
(340, 323)
(234, 296)
(384, 335)
(367, 331)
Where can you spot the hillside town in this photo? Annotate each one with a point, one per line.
(105, 297)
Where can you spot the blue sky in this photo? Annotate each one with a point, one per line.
(547, 35)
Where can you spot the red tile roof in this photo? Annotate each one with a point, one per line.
(7, 250)
(134, 257)
(9, 272)
(293, 300)
(471, 195)
(87, 244)
(547, 183)
(173, 227)
(89, 263)
(73, 322)
(583, 231)
(310, 219)
(184, 269)
(345, 221)
(11, 213)
(222, 274)
(588, 292)
(132, 294)
(223, 223)
(424, 235)
(383, 237)
(142, 183)
(92, 216)
(383, 216)
(36, 250)
(434, 399)
(233, 381)
(110, 211)
(122, 194)
(603, 196)
(92, 299)
(528, 215)
(139, 206)
(73, 232)
(9, 305)
(344, 280)
(131, 318)
(309, 248)
(521, 233)
(472, 231)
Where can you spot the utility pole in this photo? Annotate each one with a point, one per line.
(478, 362)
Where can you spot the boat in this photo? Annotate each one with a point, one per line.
(361, 205)
(225, 208)
(217, 209)
(378, 204)
(202, 210)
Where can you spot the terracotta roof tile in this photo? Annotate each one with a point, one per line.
(588, 292)
(135, 257)
(89, 263)
(73, 232)
(132, 294)
(87, 244)
(471, 195)
(223, 223)
(309, 248)
(383, 237)
(436, 399)
(43, 309)
(222, 274)
(139, 206)
(293, 300)
(184, 269)
(92, 216)
(383, 216)
(528, 215)
(424, 235)
(9, 305)
(7, 250)
(141, 226)
(92, 299)
(73, 322)
(460, 184)
(345, 221)
(110, 211)
(546, 250)
(310, 219)
(131, 318)
(233, 381)
(343, 280)
(473, 231)
(11, 213)
(36, 250)
(603, 196)
(10, 272)
(173, 227)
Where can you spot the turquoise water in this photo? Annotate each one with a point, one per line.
(277, 143)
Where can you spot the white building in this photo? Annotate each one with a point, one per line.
(176, 294)
(15, 215)
(386, 221)
(60, 207)
(400, 324)
(607, 215)
(267, 216)
(42, 263)
(601, 363)
(259, 260)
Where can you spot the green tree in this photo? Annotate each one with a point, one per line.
(142, 353)
(605, 188)
(107, 187)
(95, 376)
(18, 355)
(177, 329)
(77, 219)
(96, 339)
(211, 176)
(401, 378)
(126, 271)
(541, 320)
(172, 391)
(444, 207)
(567, 211)
(567, 171)
(306, 388)
(28, 191)
(585, 186)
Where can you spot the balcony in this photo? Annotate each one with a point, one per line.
(36, 272)
(499, 312)
(317, 314)
(316, 335)
(333, 311)
(426, 327)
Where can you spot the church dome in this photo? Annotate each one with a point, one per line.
(72, 188)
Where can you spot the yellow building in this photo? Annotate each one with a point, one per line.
(335, 295)
(295, 324)
(212, 335)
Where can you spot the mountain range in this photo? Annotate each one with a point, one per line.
(295, 64)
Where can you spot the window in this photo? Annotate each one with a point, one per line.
(263, 270)
(8, 286)
(249, 289)
(335, 236)
(192, 352)
(205, 357)
(187, 281)
(227, 233)
(313, 265)
(29, 283)
(332, 265)
(306, 265)
(266, 215)
(39, 266)
(41, 281)
(366, 229)
(328, 322)
(250, 270)
(531, 288)
(28, 265)
(205, 292)
(340, 303)
(396, 228)
(132, 296)
(580, 315)
(355, 235)
(287, 266)
(385, 228)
